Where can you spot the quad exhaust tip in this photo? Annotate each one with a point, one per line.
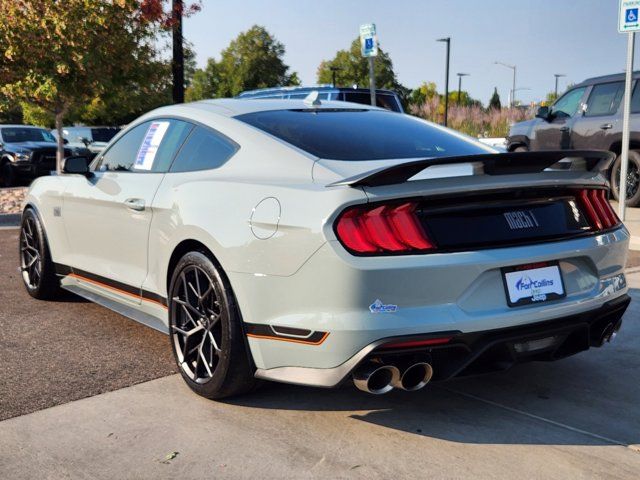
(415, 377)
(376, 378)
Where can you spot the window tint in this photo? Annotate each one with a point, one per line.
(383, 100)
(21, 134)
(148, 147)
(604, 99)
(568, 104)
(350, 134)
(635, 98)
(203, 150)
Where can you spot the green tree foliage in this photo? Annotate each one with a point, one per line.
(550, 98)
(353, 69)
(253, 60)
(494, 102)
(63, 57)
(423, 93)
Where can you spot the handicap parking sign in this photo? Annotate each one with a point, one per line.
(369, 40)
(629, 16)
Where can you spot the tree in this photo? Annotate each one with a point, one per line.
(253, 60)
(494, 102)
(77, 51)
(353, 69)
(423, 93)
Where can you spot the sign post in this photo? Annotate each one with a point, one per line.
(369, 49)
(629, 23)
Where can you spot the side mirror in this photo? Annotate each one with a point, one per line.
(65, 141)
(544, 113)
(85, 140)
(78, 165)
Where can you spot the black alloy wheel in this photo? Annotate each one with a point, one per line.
(205, 330)
(38, 272)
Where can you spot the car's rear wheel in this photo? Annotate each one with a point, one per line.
(633, 179)
(38, 271)
(206, 330)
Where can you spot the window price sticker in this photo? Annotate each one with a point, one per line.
(150, 144)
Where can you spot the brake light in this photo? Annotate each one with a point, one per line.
(597, 209)
(382, 229)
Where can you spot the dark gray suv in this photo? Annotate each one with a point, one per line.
(588, 116)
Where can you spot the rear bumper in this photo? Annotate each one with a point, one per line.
(478, 352)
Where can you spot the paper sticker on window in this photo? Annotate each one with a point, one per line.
(150, 144)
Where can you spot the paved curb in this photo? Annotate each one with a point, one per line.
(10, 219)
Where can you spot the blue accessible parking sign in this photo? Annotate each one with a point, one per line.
(629, 17)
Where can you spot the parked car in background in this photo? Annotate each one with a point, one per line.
(28, 152)
(384, 98)
(588, 116)
(92, 138)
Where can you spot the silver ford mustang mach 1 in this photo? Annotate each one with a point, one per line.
(316, 243)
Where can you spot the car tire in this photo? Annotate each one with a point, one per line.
(7, 175)
(205, 328)
(37, 268)
(633, 179)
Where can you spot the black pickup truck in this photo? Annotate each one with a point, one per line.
(588, 117)
(28, 152)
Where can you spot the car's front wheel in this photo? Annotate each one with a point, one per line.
(38, 272)
(206, 330)
(633, 179)
(7, 175)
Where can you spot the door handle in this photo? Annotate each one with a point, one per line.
(134, 204)
(606, 126)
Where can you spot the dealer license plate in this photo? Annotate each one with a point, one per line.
(527, 284)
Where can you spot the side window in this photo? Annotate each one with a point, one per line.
(203, 150)
(635, 98)
(604, 99)
(567, 105)
(148, 147)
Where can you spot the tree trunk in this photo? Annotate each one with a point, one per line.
(178, 53)
(60, 152)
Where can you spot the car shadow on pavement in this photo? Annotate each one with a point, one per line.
(590, 398)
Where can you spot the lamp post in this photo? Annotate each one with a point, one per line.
(447, 40)
(557, 75)
(512, 101)
(460, 75)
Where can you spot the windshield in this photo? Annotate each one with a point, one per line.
(20, 134)
(104, 134)
(354, 134)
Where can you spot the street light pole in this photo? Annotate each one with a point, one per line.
(557, 75)
(447, 40)
(460, 75)
(512, 101)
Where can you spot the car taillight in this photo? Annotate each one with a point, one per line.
(597, 209)
(382, 229)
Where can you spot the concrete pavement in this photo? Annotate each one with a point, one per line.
(577, 418)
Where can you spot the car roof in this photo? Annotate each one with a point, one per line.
(15, 125)
(232, 107)
(303, 89)
(615, 77)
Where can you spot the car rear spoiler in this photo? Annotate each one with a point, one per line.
(512, 163)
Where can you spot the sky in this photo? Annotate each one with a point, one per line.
(577, 38)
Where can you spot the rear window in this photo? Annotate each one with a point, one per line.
(353, 134)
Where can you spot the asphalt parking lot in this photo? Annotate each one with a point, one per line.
(577, 418)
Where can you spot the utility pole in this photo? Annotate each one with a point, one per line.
(177, 65)
(333, 74)
(447, 40)
(557, 75)
(512, 101)
(460, 75)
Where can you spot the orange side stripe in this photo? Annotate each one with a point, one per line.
(115, 289)
(293, 340)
